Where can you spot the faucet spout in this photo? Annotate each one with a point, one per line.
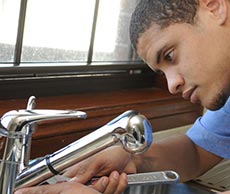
(15, 120)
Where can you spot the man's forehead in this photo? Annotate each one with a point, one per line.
(150, 38)
(158, 37)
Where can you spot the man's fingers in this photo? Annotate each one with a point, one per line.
(123, 183)
(117, 183)
(114, 184)
(101, 184)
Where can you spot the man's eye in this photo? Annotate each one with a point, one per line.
(169, 56)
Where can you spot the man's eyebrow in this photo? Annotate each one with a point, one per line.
(158, 56)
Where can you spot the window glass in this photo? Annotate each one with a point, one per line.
(9, 13)
(57, 30)
(112, 38)
(61, 31)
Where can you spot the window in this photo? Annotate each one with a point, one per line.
(57, 31)
(46, 40)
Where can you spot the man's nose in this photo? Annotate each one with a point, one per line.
(175, 82)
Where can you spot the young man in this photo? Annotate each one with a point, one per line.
(189, 42)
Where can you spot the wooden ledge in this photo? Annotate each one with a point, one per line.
(163, 110)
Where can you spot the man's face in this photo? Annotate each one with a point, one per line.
(194, 58)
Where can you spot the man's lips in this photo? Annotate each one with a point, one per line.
(188, 93)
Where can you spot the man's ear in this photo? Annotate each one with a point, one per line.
(218, 8)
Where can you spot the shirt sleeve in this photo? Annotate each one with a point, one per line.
(212, 131)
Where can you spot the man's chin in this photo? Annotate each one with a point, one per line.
(217, 103)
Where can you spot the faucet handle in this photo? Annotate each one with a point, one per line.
(132, 129)
(31, 103)
(15, 120)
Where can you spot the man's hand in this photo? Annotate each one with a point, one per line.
(72, 187)
(110, 162)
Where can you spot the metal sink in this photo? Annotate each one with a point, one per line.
(177, 188)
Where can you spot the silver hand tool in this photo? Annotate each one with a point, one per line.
(161, 177)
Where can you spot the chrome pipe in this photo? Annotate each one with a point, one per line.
(27, 130)
(131, 129)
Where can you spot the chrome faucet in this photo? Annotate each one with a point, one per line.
(18, 127)
(131, 129)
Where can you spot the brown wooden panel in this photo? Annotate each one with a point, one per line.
(162, 109)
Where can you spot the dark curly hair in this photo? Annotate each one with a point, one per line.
(161, 12)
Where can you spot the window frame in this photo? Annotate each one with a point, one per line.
(22, 82)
